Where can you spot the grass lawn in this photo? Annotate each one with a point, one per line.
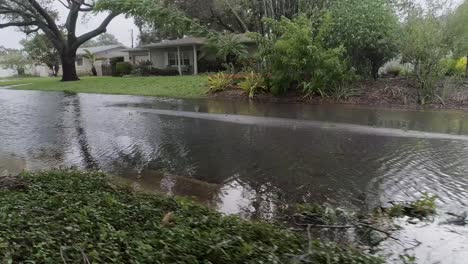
(167, 86)
(79, 217)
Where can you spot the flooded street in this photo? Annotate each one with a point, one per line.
(249, 159)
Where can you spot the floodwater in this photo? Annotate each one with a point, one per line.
(251, 158)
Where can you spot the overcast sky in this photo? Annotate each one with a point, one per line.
(120, 27)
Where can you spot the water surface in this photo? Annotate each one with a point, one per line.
(250, 158)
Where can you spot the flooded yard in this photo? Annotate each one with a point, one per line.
(252, 158)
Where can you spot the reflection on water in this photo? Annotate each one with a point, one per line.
(237, 161)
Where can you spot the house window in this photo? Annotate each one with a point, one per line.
(172, 58)
(184, 58)
(79, 61)
(138, 58)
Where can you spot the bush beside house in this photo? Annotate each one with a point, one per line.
(122, 69)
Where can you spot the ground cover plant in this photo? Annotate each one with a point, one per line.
(73, 217)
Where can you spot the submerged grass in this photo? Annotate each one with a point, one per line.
(422, 208)
(163, 86)
(77, 217)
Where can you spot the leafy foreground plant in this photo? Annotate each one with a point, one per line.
(253, 83)
(75, 217)
(218, 82)
(369, 229)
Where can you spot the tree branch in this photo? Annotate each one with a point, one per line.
(50, 21)
(72, 20)
(63, 3)
(238, 18)
(99, 30)
(17, 24)
(30, 31)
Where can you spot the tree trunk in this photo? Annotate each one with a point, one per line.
(94, 71)
(56, 69)
(375, 71)
(21, 71)
(69, 68)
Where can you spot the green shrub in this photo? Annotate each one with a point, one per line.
(143, 68)
(460, 67)
(218, 82)
(368, 31)
(113, 63)
(455, 67)
(299, 55)
(229, 49)
(164, 72)
(123, 68)
(253, 83)
(424, 44)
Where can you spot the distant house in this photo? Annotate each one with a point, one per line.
(6, 72)
(183, 54)
(83, 65)
(103, 53)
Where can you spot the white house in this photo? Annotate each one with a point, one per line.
(6, 72)
(183, 54)
(103, 53)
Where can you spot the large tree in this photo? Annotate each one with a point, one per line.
(39, 15)
(13, 59)
(159, 19)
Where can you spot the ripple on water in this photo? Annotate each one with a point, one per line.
(436, 167)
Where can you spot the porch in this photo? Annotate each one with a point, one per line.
(181, 58)
(180, 54)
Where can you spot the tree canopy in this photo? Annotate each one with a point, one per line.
(41, 51)
(159, 19)
(104, 39)
(14, 59)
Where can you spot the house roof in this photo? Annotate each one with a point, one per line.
(186, 41)
(176, 42)
(94, 50)
(136, 49)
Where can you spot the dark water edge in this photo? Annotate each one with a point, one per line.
(249, 159)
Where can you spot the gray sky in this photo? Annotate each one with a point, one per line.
(120, 27)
